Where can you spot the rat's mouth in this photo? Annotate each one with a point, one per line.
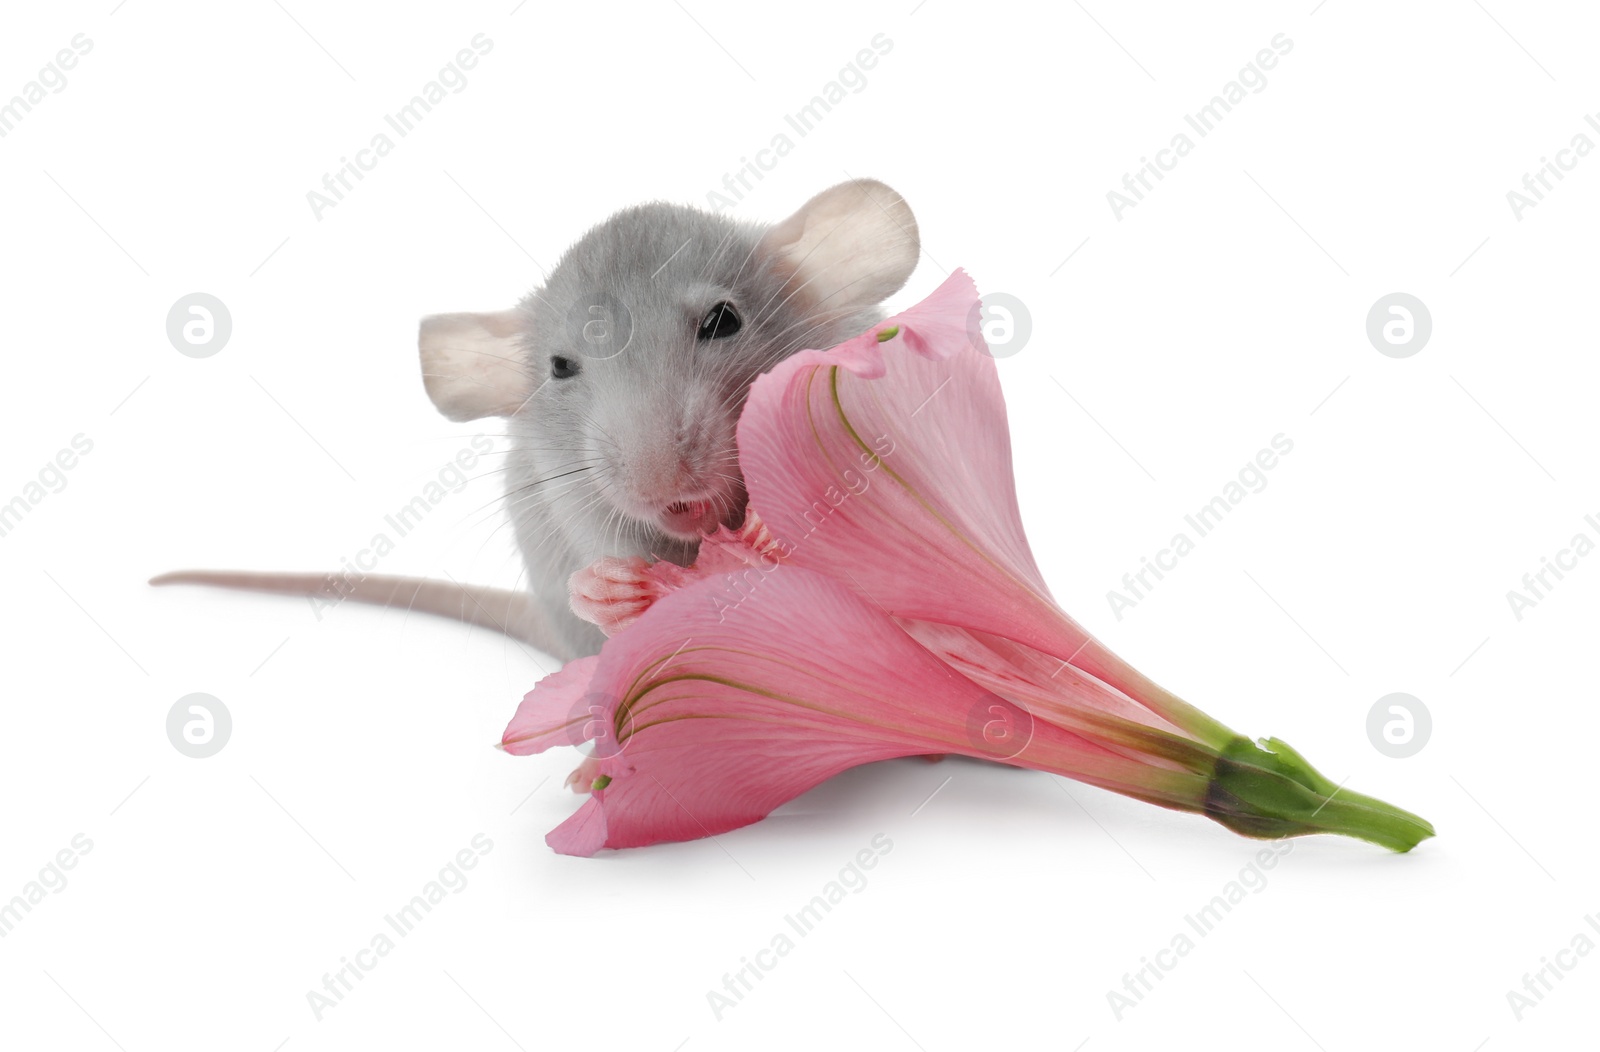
(690, 519)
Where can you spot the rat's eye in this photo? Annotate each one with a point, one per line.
(720, 321)
(563, 368)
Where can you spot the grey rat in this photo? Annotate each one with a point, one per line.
(621, 381)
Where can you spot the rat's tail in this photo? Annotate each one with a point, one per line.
(512, 613)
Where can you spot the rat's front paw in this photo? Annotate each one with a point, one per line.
(613, 593)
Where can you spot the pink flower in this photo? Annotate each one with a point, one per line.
(881, 600)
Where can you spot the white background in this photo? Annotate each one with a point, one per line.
(1175, 342)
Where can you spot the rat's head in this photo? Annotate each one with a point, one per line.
(623, 377)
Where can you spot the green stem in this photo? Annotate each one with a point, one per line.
(1268, 790)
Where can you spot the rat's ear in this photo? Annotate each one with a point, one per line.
(472, 365)
(852, 245)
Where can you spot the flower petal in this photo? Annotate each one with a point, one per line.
(860, 477)
(553, 712)
(583, 833)
(719, 720)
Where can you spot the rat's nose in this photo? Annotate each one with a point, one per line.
(656, 475)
